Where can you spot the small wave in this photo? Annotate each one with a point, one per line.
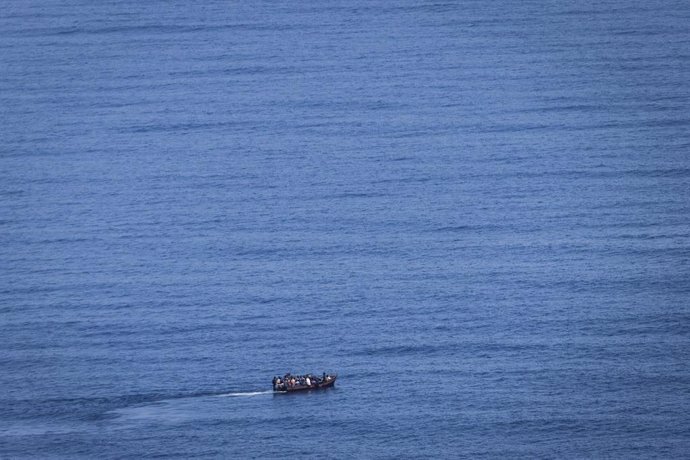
(30, 429)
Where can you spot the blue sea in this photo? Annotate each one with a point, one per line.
(476, 213)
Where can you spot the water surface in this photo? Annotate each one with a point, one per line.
(477, 214)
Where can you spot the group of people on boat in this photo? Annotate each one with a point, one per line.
(289, 381)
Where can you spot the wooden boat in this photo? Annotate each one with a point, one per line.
(290, 384)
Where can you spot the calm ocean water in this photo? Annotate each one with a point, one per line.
(476, 213)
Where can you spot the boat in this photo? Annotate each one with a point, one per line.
(291, 383)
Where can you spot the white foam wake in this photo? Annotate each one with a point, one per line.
(246, 393)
